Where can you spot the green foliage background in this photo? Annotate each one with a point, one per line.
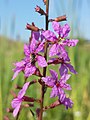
(10, 51)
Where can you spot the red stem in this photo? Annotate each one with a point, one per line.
(44, 69)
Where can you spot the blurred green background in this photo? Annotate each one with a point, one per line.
(11, 49)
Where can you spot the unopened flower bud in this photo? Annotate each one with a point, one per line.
(28, 105)
(31, 27)
(13, 93)
(9, 110)
(40, 10)
(18, 87)
(45, 1)
(6, 118)
(60, 18)
(53, 105)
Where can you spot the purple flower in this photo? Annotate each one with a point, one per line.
(67, 102)
(16, 103)
(26, 66)
(62, 34)
(57, 85)
(31, 51)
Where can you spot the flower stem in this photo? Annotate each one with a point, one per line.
(44, 69)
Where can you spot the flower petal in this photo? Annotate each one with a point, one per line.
(49, 35)
(29, 70)
(15, 102)
(23, 90)
(33, 45)
(19, 64)
(54, 50)
(61, 94)
(35, 35)
(41, 61)
(26, 50)
(63, 70)
(54, 91)
(40, 47)
(16, 110)
(70, 43)
(48, 81)
(64, 78)
(68, 103)
(67, 86)
(56, 26)
(54, 74)
(17, 71)
(71, 68)
(65, 31)
(63, 53)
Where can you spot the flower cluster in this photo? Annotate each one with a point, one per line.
(57, 55)
(31, 51)
(57, 48)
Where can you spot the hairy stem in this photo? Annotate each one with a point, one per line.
(44, 69)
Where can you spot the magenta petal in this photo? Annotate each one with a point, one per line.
(40, 47)
(15, 102)
(49, 35)
(67, 86)
(16, 110)
(56, 26)
(61, 95)
(19, 64)
(73, 42)
(54, 91)
(71, 68)
(48, 81)
(18, 69)
(26, 50)
(63, 53)
(64, 78)
(23, 90)
(35, 35)
(65, 30)
(70, 43)
(16, 73)
(54, 74)
(63, 70)
(33, 45)
(29, 70)
(68, 103)
(41, 61)
(54, 50)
